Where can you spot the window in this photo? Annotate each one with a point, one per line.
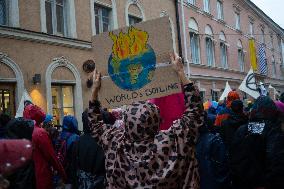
(241, 59)
(134, 19)
(224, 56)
(102, 19)
(210, 51)
(215, 96)
(241, 56)
(194, 47)
(238, 21)
(191, 2)
(262, 36)
(62, 101)
(251, 31)
(206, 4)
(3, 12)
(55, 17)
(220, 10)
(273, 67)
(5, 101)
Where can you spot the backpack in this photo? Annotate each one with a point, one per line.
(248, 155)
(213, 161)
(61, 149)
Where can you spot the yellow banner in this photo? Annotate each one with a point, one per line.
(253, 58)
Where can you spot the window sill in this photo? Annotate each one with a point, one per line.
(192, 6)
(221, 21)
(217, 68)
(38, 37)
(208, 14)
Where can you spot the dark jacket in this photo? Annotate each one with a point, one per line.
(87, 156)
(275, 158)
(230, 126)
(257, 149)
(212, 159)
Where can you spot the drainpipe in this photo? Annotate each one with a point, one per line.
(178, 29)
(184, 37)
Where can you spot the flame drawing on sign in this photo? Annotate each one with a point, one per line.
(129, 44)
(132, 61)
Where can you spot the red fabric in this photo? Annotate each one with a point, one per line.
(14, 154)
(171, 108)
(220, 118)
(43, 155)
(35, 113)
(44, 158)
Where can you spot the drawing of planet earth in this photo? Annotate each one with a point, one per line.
(135, 72)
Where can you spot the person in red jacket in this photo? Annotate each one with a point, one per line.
(43, 155)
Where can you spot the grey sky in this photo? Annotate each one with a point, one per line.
(273, 8)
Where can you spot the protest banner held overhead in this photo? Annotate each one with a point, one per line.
(134, 62)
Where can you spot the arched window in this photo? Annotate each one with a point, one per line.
(241, 56)
(194, 41)
(63, 90)
(11, 85)
(134, 13)
(209, 44)
(223, 51)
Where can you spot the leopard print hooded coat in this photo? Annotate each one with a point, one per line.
(141, 156)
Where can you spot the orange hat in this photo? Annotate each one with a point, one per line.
(233, 95)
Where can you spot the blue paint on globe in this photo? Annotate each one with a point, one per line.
(143, 67)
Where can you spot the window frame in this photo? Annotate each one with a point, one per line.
(6, 13)
(237, 21)
(197, 53)
(101, 22)
(61, 103)
(54, 18)
(206, 5)
(133, 17)
(223, 43)
(241, 59)
(220, 10)
(207, 38)
(251, 29)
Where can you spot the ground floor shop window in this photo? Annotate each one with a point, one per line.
(215, 96)
(62, 102)
(7, 99)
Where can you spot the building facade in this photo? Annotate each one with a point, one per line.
(44, 43)
(215, 36)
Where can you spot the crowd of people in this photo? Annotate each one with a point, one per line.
(222, 146)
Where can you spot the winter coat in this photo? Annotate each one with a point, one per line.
(265, 150)
(141, 156)
(230, 126)
(43, 155)
(212, 160)
(87, 156)
(70, 130)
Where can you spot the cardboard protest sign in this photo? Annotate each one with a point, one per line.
(134, 63)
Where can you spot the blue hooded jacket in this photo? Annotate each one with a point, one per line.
(70, 130)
